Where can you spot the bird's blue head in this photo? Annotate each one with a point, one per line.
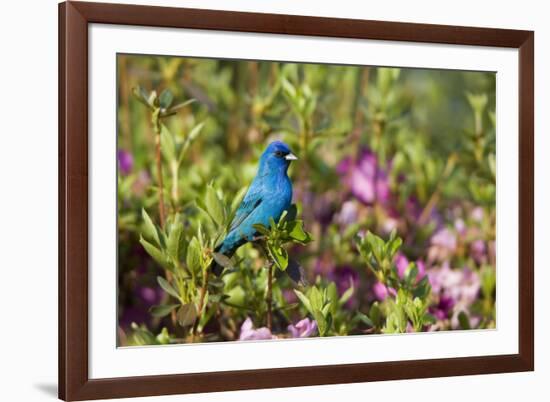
(276, 158)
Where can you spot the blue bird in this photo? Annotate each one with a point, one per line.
(269, 194)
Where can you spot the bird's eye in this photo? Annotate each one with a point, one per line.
(279, 153)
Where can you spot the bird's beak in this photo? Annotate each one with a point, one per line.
(291, 157)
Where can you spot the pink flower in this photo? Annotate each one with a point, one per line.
(444, 238)
(443, 245)
(367, 181)
(248, 333)
(402, 263)
(478, 251)
(460, 226)
(458, 288)
(303, 328)
(381, 291)
(477, 214)
(125, 162)
(348, 214)
(442, 309)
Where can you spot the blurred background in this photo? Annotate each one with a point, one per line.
(380, 150)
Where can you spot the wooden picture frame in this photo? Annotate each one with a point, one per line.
(74, 381)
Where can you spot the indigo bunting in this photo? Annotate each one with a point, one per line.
(269, 194)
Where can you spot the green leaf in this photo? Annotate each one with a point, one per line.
(194, 133)
(364, 318)
(428, 319)
(167, 287)
(167, 145)
(154, 252)
(222, 260)
(347, 294)
(288, 88)
(261, 228)
(214, 206)
(187, 314)
(280, 256)
(394, 246)
(463, 320)
(194, 256)
(162, 310)
(179, 106)
(141, 95)
(173, 244)
(321, 322)
(410, 273)
(163, 337)
(316, 299)
(375, 314)
(376, 245)
(152, 98)
(297, 232)
(305, 301)
(165, 99)
(149, 229)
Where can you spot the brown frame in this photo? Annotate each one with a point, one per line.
(74, 17)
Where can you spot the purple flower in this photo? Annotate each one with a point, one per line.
(348, 214)
(289, 296)
(248, 333)
(456, 287)
(402, 263)
(125, 162)
(477, 214)
(460, 226)
(149, 296)
(492, 252)
(303, 328)
(132, 314)
(478, 251)
(367, 181)
(345, 277)
(141, 183)
(442, 309)
(381, 291)
(443, 245)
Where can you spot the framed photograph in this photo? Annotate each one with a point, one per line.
(259, 200)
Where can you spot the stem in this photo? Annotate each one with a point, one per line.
(269, 291)
(201, 303)
(156, 126)
(159, 177)
(269, 295)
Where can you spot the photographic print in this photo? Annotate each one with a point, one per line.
(265, 200)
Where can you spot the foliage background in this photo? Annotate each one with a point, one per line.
(380, 149)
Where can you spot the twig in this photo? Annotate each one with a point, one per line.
(269, 292)
(201, 303)
(269, 297)
(159, 176)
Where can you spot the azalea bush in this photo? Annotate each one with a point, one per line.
(392, 226)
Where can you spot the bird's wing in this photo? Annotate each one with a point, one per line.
(250, 202)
